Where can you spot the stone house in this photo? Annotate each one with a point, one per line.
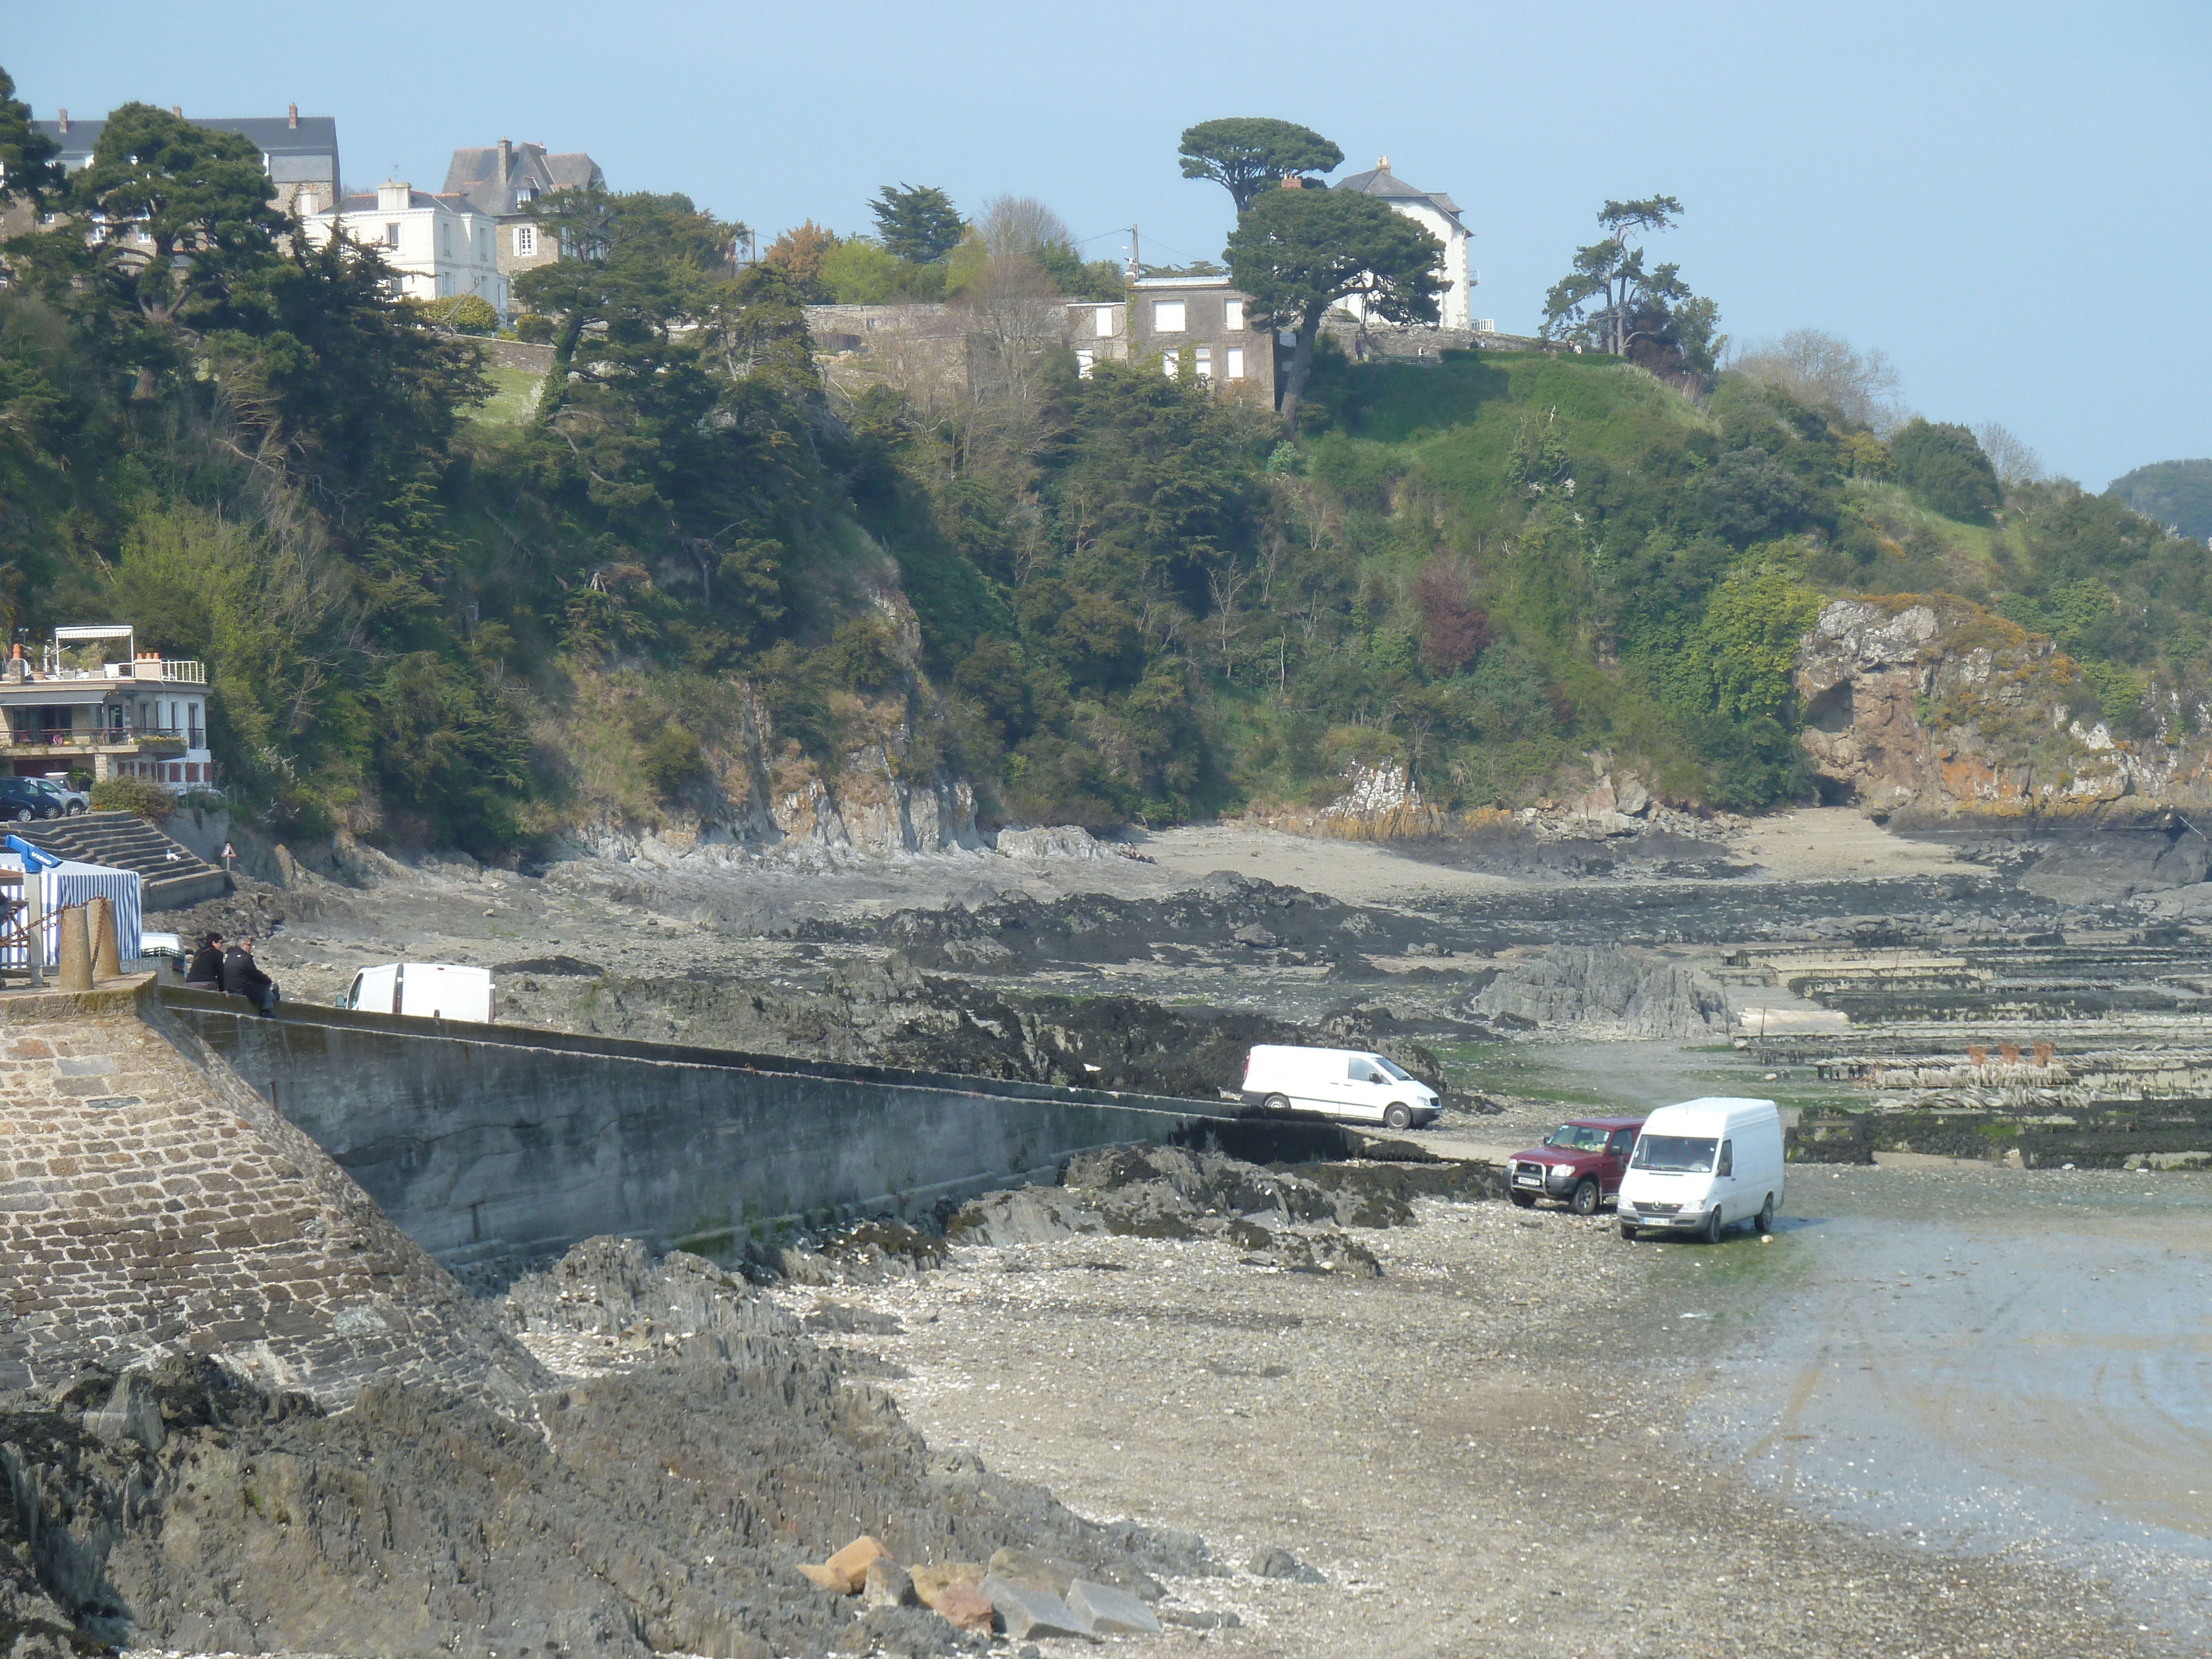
(1438, 214)
(439, 248)
(504, 181)
(1196, 325)
(301, 151)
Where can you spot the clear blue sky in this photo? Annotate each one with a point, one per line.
(2014, 200)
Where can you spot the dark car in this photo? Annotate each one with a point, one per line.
(22, 800)
(1580, 1163)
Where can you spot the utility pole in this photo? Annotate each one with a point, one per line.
(1136, 266)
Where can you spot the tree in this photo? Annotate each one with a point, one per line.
(1825, 372)
(917, 222)
(2013, 461)
(27, 168)
(1296, 252)
(797, 253)
(1941, 462)
(1247, 155)
(2178, 494)
(1608, 299)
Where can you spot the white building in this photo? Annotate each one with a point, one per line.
(1438, 214)
(73, 709)
(439, 248)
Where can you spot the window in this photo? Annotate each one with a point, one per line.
(1083, 356)
(1101, 322)
(191, 771)
(1202, 359)
(1727, 1158)
(1167, 316)
(1360, 1071)
(526, 241)
(1171, 363)
(392, 234)
(1236, 365)
(192, 725)
(1624, 1141)
(1233, 315)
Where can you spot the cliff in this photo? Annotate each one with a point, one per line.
(1932, 708)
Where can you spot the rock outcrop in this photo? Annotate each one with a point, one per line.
(1933, 708)
(1635, 993)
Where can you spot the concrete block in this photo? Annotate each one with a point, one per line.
(1110, 1612)
(963, 1607)
(929, 1582)
(1027, 1610)
(1048, 1572)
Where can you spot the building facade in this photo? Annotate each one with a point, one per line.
(1196, 326)
(301, 151)
(439, 248)
(1438, 214)
(140, 715)
(505, 181)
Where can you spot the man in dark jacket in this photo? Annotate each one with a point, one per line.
(242, 977)
(205, 971)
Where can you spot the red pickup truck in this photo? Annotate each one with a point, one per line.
(1580, 1163)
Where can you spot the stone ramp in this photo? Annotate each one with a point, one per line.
(151, 1204)
(171, 876)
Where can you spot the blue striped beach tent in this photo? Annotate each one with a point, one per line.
(67, 883)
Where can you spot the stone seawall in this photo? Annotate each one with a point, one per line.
(151, 1204)
(496, 1147)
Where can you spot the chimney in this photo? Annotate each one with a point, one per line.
(1382, 164)
(506, 162)
(394, 196)
(292, 116)
(64, 123)
(1291, 181)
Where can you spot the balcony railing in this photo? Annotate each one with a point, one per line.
(147, 671)
(101, 737)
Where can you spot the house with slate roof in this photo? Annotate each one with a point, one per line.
(301, 151)
(503, 181)
(437, 247)
(1437, 214)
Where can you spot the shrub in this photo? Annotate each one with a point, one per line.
(1942, 464)
(137, 796)
(537, 329)
(864, 654)
(671, 759)
(1454, 629)
(464, 314)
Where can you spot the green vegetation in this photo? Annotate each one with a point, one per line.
(1248, 154)
(446, 603)
(2176, 494)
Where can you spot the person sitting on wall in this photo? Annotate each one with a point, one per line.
(242, 977)
(204, 973)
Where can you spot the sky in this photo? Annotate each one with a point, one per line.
(2013, 201)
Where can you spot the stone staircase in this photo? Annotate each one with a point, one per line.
(124, 841)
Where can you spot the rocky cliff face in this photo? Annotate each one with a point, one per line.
(1934, 708)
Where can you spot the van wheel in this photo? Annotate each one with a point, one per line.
(1397, 1116)
(1526, 1201)
(1766, 1215)
(1276, 1103)
(1584, 1202)
(1711, 1235)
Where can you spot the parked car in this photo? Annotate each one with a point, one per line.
(1703, 1166)
(21, 800)
(73, 801)
(432, 990)
(1580, 1163)
(1347, 1083)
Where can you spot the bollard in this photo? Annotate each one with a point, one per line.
(106, 948)
(2043, 1053)
(74, 972)
(1976, 1055)
(2009, 1052)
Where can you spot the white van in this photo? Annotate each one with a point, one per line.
(433, 990)
(1347, 1083)
(1703, 1164)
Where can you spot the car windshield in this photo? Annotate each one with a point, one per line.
(1680, 1154)
(1576, 1138)
(1392, 1068)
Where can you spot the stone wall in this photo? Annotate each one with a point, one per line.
(151, 1204)
(529, 357)
(496, 1147)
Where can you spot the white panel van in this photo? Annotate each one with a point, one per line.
(1705, 1165)
(429, 990)
(1347, 1083)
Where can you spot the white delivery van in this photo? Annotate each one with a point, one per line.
(430, 990)
(1704, 1165)
(1347, 1083)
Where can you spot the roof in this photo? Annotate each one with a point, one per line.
(1717, 1106)
(1381, 181)
(1221, 280)
(273, 135)
(1605, 1123)
(366, 202)
(474, 173)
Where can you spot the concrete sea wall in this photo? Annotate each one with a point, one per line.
(494, 1146)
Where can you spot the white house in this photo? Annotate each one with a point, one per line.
(438, 246)
(1438, 214)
